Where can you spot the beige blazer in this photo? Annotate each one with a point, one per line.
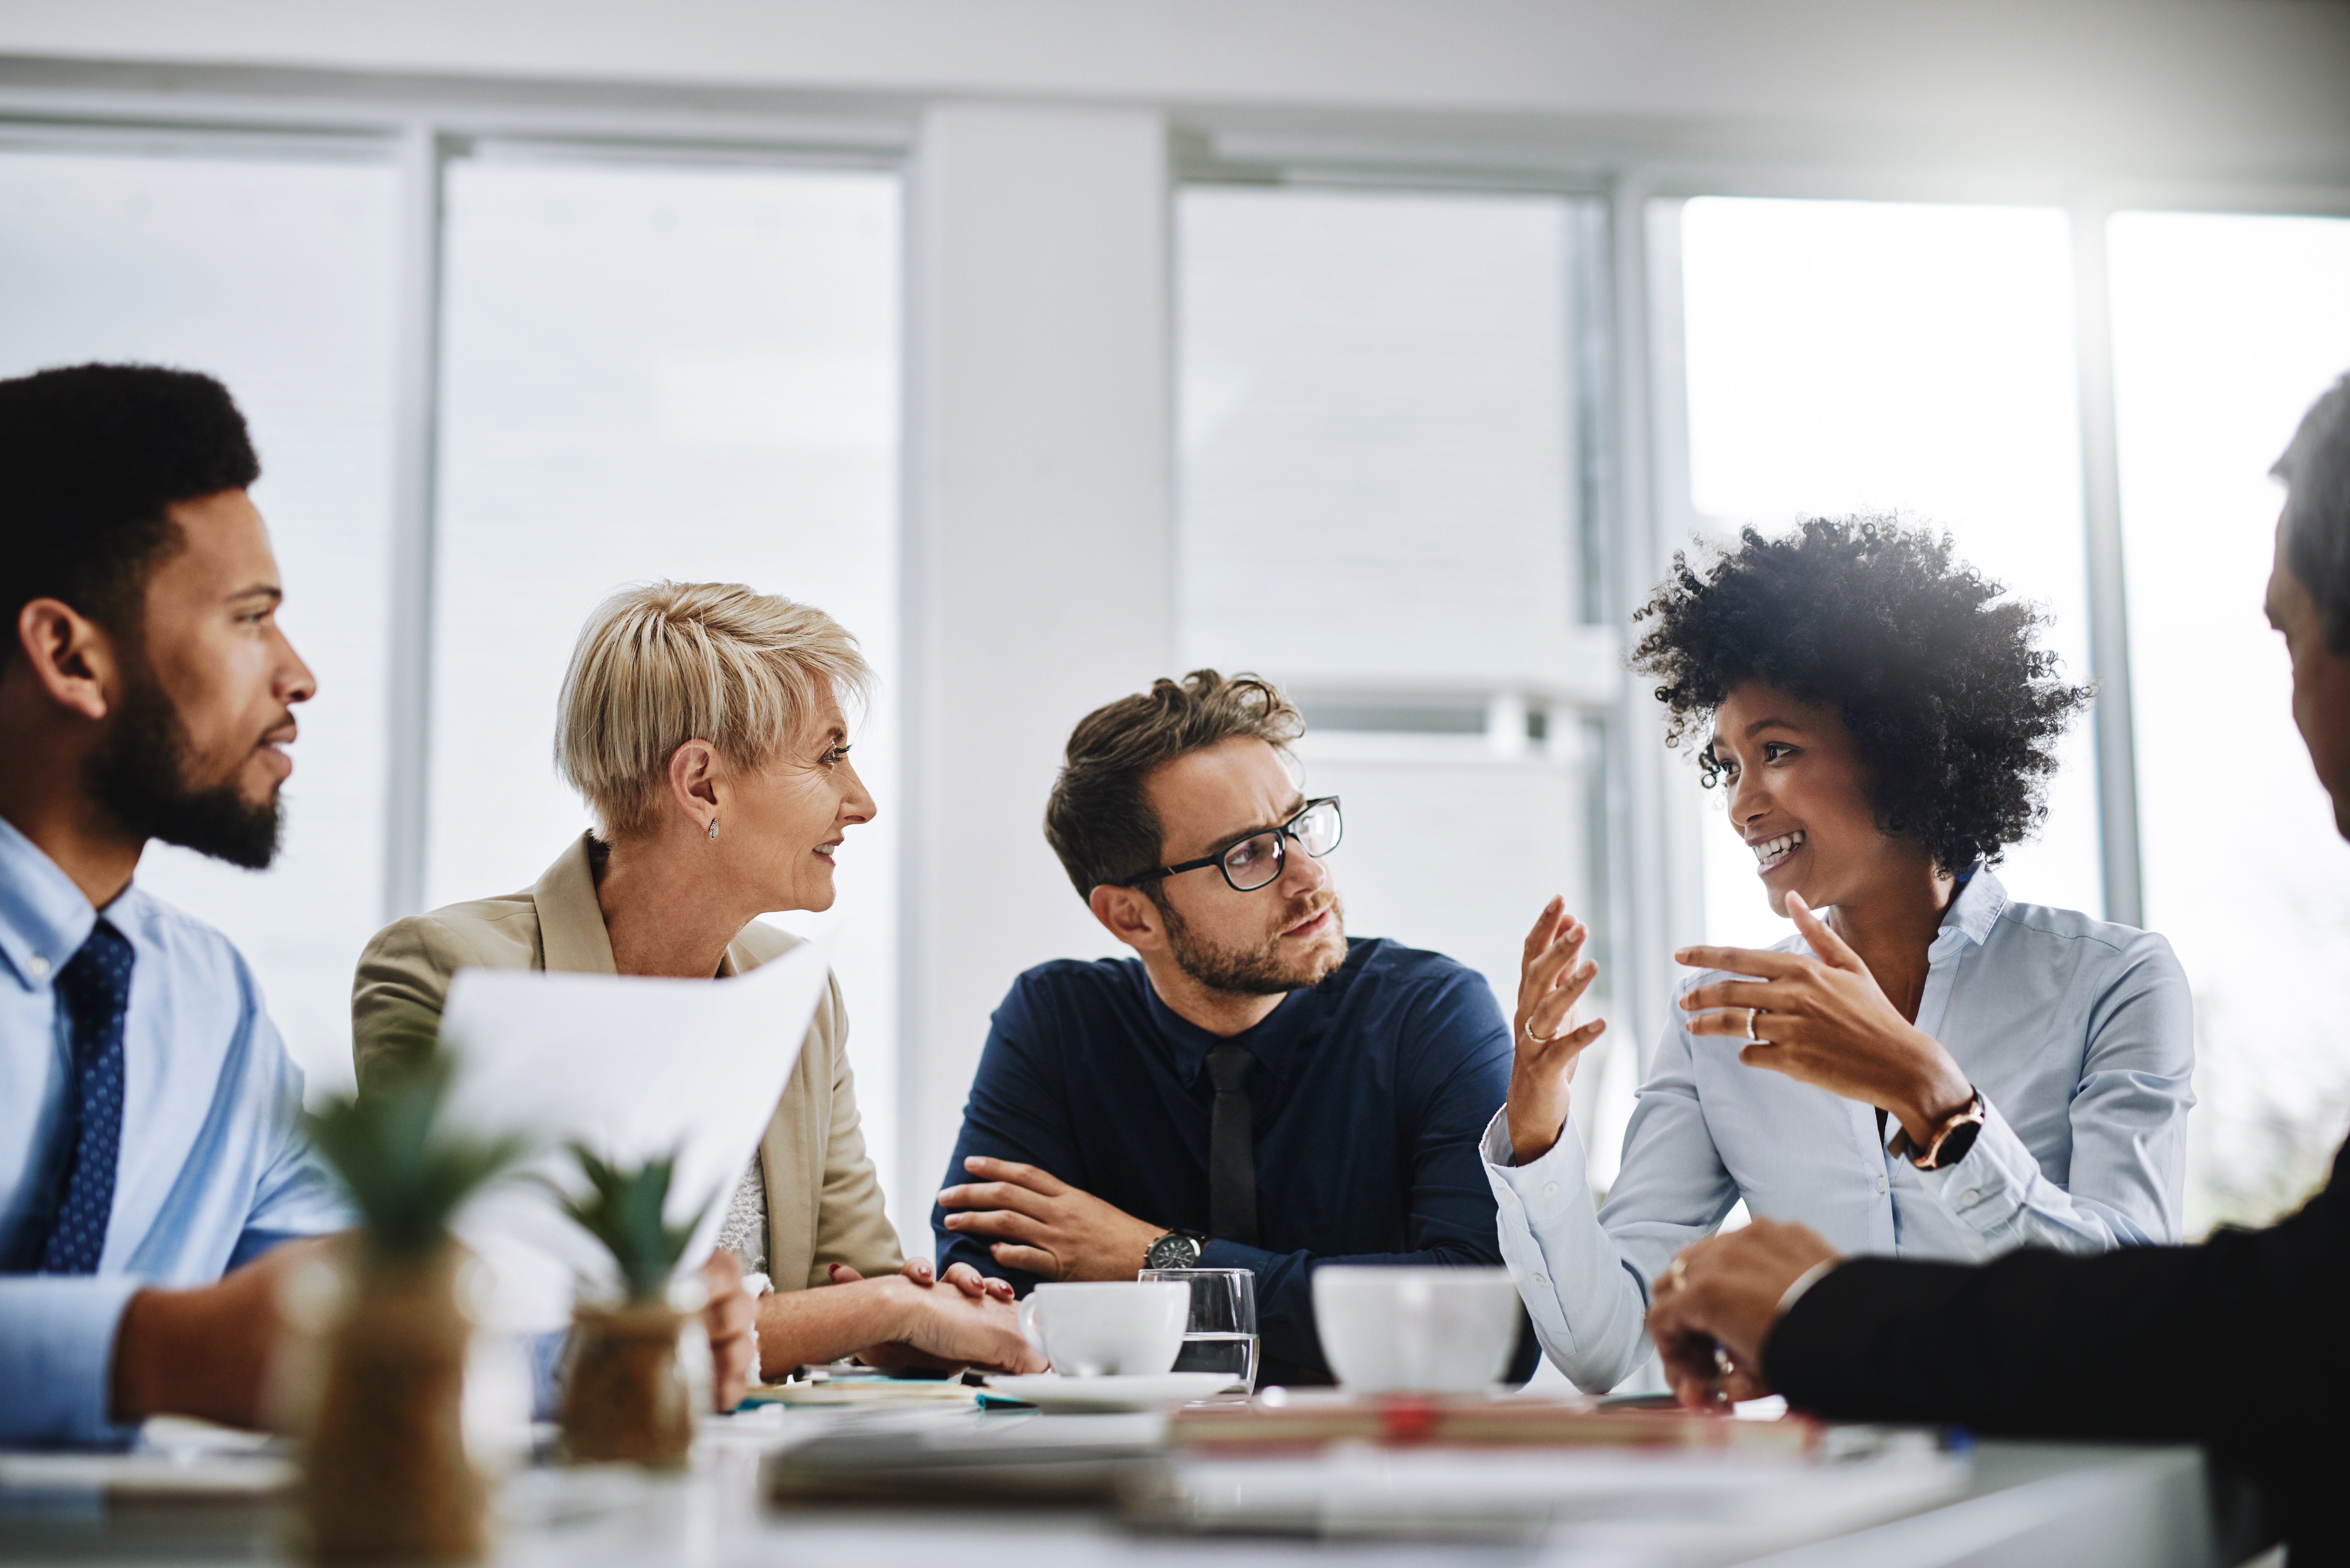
(823, 1200)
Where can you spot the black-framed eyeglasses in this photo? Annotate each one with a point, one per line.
(1257, 860)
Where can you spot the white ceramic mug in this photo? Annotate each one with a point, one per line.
(1096, 1329)
(1422, 1331)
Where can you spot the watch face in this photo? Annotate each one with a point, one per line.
(1172, 1252)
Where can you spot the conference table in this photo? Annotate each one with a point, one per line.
(1864, 1498)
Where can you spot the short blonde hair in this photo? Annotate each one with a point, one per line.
(665, 663)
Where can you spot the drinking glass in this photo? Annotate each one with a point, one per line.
(1222, 1333)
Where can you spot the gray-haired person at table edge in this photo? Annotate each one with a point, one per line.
(2223, 1342)
(1255, 1089)
(702, 724)
(1932, 1070)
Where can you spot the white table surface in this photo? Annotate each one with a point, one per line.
(2014, 1504)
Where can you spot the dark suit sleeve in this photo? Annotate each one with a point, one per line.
(2227, 1344)
(1459, 1051)
(1017, 1111)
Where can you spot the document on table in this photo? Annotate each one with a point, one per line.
(634, 1068)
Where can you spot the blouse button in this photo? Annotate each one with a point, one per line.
(1880, 1184)
(1550, 1190)
(40, 966)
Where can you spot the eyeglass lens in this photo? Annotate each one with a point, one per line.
(1254, 862)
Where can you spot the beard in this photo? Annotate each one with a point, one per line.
(1262, 969)
(139, 771)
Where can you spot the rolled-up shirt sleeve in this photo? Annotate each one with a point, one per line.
(57, 1357)
(1583, 1275)
(2128, 1182)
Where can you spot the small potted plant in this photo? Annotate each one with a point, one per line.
(625, 1394)
(387, 1478)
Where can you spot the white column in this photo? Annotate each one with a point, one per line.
(1038, 560)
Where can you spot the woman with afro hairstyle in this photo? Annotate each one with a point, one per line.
(1927, 1068)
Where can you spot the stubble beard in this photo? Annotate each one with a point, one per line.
(1261, 970)
(138, 773)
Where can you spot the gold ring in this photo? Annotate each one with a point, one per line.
(1534, 1039)
(1678, 1274)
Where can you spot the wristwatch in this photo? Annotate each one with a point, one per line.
(1950, 1140)
(1175, 1250)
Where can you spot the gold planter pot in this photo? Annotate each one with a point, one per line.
(625, 1395)
(386, 1475)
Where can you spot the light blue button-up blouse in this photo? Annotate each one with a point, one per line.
(213, 1168)
(2079, 1036)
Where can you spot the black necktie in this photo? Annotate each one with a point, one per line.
(1231, 1147)
(95, 986)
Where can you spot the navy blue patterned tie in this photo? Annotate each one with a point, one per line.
(95, 987)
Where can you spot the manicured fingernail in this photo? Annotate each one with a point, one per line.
(833, 1270)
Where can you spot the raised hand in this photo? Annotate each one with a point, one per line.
(1821, 1017)
(1552, 975)
(1043, 1226)
(1712, 1311)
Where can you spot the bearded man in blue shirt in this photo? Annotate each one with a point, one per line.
(151, 1158)
(1253, 1089)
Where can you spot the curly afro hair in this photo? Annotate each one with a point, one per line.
(1954, 713)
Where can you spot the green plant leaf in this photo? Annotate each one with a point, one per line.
(622, 1208)
(407, 1176)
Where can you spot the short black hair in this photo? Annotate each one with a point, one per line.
(1953, 711)
(92, 457)
(2316, 472)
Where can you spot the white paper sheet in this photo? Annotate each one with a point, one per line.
(634, 1068)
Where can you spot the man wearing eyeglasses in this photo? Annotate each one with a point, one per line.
(1251, 1090)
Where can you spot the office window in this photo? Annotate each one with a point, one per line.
(1855, 356)
(1384, 506)
(2225, 329)
(660, 371)
(274, 275)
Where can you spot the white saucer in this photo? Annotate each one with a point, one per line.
(1052, 1391)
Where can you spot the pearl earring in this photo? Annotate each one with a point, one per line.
(714, 828)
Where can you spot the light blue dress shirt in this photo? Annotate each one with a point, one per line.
(2078, 1034)
(214, 1171)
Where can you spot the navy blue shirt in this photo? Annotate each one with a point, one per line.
(1371, 1092)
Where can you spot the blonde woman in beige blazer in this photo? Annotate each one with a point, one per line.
(700, 722)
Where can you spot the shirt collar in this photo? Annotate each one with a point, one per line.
(1273, 1041)
(44, 918)
(1980, 902)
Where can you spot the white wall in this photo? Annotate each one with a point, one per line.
(1038, 551)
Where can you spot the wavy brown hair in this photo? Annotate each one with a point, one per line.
(1098, 820)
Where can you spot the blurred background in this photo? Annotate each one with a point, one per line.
(1390, 348)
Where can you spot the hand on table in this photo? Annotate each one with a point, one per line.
(1710, 1313)
(1548, 1041)
(731, 1318)
(945, 1326)
(1045, 1227)
(205, 1352)
(1823, 1019)
(918, 1271)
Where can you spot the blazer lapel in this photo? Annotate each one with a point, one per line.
(570, 922)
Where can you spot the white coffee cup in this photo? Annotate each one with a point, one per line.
(1103, 1328)
(1422, 1331)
